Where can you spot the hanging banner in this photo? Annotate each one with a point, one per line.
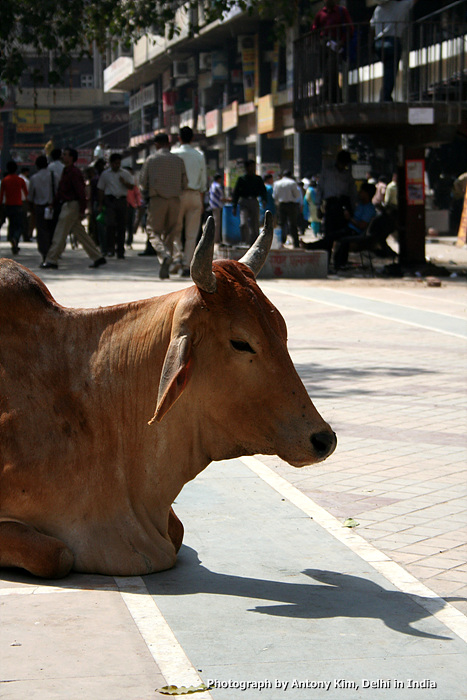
(415, 182)
(249, 65)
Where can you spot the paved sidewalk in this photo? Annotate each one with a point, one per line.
(384, 362)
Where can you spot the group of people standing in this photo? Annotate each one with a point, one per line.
(292, 205)
(388, 25)
(172, 183)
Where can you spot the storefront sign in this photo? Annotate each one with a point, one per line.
(168, 100)
(117, 71)
(29, 128)
(265, 114)
(421, 115)
(219, 66)
(415, 182)
(212, 121)
(146, 96)
(31, 116)
(246, 108)
(230, 116)
(187, 118)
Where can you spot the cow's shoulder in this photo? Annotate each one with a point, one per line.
(19, 286)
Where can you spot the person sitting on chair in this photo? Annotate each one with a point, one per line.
(356, 222)
(373, 239)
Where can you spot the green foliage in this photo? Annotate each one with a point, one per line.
(63, 29)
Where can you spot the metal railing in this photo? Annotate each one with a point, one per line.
(347, 66)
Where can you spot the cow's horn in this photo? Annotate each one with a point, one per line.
(201, 265)
(256, 256)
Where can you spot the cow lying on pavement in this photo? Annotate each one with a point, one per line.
(106, 413)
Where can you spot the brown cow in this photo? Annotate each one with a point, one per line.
(106, 413)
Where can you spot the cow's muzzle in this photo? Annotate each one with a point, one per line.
(324, 443)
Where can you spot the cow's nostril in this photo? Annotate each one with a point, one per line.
(324, 443)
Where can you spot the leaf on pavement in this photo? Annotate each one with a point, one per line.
(350, 522)
(182, 689)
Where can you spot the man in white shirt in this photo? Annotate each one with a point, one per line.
(389, 24)
(191, 199)
(40, 198)
(287, 196)
(56, 168)
(112, 189)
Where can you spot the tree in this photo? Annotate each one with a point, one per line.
(68, 29)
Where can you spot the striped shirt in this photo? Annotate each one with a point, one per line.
(216, 195)
(163, 175)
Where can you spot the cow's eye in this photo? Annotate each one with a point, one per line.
(242, 346)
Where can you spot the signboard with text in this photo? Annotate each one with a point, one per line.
(415, 182)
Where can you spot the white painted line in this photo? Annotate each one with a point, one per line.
(160, 640)
(446, 613)
(387, 317)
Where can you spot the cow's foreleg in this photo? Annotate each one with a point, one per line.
(25, 547)
(176, 530)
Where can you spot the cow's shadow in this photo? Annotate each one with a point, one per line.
(329, 594)
(339, 595)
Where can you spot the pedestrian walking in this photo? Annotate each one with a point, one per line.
(12, 190)
(216, 205)
(134, 202)
(40, 199)
(28, 215)
(286, 195)
(112, 187)
(72, 198)
(191, 198)
(163, 179)
(247, 189)
(56, 168)
(270, 204)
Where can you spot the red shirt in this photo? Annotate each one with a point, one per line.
(72, 187)
(326, 21)
(12, 186)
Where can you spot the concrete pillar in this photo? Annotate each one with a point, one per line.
(411, 213)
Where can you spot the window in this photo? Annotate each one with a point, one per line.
(87, 80)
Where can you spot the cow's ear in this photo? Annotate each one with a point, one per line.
(175, 375)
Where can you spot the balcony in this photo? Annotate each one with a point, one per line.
(429, 100)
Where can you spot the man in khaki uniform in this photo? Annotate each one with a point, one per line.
(163, 179)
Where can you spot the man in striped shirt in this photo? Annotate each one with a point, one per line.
(216, 204)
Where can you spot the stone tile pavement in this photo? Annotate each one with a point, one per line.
(394, 392)
(396, 395)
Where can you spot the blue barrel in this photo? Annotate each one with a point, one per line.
(230, 225)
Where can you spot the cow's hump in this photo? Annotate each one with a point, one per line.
(19, 286)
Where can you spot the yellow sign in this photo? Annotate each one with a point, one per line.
(29, 128)
(31, 116)
(265, 114)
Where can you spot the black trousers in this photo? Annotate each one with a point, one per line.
(115, 224)
(288, 221)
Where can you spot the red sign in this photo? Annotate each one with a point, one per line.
(415, 182)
